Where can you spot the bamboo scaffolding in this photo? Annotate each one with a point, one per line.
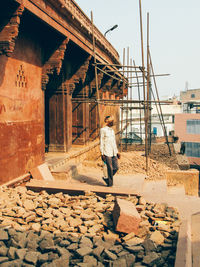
(125, 74)
(155, 84)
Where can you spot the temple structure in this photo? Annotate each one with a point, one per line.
(46, 61)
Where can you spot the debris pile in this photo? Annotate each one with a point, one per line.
(134, 161)
(39, 229)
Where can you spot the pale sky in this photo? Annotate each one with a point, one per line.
(174, 36)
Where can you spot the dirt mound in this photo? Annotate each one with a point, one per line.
(134, 161)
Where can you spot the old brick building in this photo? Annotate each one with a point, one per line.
(46, 60)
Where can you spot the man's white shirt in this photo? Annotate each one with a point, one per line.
(108, 145)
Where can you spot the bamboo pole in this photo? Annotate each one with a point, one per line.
(144, 89)
(148, 83)
(155, 84)
(138, 86)
(127, 97)
(121, 145)
(96, 77)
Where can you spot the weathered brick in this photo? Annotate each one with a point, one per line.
(125, 216)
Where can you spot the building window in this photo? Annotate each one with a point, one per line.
(192, 149)
(193, 126)
(192, 95)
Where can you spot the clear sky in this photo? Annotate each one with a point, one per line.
(174, 36)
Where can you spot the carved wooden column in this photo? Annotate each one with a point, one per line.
(93, 110)
(54, 64)
(10, 32)
(69, 88)
(55, 109)
(60, 124)
(80, 127)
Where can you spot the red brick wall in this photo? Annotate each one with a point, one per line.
(21, 110)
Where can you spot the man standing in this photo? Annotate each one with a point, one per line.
(108, 148)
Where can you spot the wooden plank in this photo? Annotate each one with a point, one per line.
(75, 188)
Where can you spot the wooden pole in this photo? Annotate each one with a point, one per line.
(144, 89)
(122, 111)
(127, 97)
(155, 84)
(148, 83)
(138, 86)
(96, 77)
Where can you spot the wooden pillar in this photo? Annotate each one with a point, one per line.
(56, 123)
(60, 120)
(68, 118)
(80, 119)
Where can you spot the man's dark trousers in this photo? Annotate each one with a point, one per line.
(112, 167)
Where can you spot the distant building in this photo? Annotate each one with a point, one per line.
(133, 116)
(190, 100)
(187, 124)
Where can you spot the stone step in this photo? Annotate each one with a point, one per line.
(178, 190)
(132, 181)
(62, 170)
(76, 188)
(157, 187)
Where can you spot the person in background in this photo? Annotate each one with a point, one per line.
(108, 148)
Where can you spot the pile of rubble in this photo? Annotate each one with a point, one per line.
(135, 162)
(41, 229)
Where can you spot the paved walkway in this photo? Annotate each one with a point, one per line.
(155, 191)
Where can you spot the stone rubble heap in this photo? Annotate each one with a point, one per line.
(55, 230)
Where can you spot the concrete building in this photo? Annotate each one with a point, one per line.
(187, 124)
(168, 110)
(46, 55)
(190, 100)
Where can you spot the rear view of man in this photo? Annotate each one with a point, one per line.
(108, 148)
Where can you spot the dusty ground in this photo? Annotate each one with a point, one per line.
(133, 161)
